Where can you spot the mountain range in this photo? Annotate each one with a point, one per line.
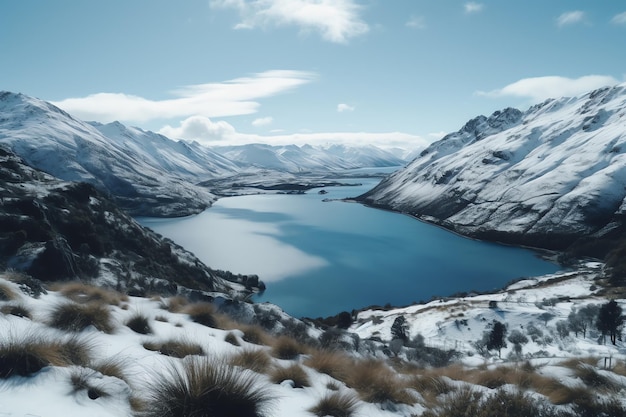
(148, 173)
(544, 177)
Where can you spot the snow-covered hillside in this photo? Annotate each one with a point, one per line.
(145, 172)
(81, 350)
(542, 177)
(295, 159)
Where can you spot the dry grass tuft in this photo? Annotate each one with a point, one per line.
(174, 304)
(28, 354)
(377, 383)
(294, 373)
(176, 348)
(255, 335)
(139, 323)
(202, 313)
(287, 348)
(114, 367)
(84, 293)
(232, 339)
(202, 387)
(430, 387)
(80, 382)
(7, 293)
(336, 404)
(18, 310)
(162, 319)
(334, 364)
(77, 317)
(255, 360)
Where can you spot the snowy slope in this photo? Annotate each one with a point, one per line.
(147, 173)
(553, 172)
(293, 158)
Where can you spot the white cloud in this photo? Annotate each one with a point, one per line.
(263, 121)
(570, 18)
(473, 7)
(541, 88)
(212, 133)
(343, 107)
(416, 22)
(229, 98)
(619, 19)
(202, 129)
(336, 20)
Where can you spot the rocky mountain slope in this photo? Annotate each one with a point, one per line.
(56, 230)
(544, 177)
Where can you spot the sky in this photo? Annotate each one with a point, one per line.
(388, 72)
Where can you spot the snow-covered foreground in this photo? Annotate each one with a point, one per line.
(102, 367)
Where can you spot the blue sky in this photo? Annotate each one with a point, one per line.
(391, 72)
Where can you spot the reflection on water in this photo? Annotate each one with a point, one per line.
(319, 258)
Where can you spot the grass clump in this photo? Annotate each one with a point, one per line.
(287, 348)
(84, 293)
(202, 387)
(202, 313)
(254, 334)
(232, 339)
(255, 360)
(334, 364)
(335, 404)
(77, 317)
(29, 354)
(139, 323)
(294, 373)
(174, 304)
(80, 382)
(7, 293)
(176, 348)
(18, 310)
(377, 383)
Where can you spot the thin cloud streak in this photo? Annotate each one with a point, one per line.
(570, 18)
(262, 121)
(343, 107)
(541, 88)
(230, 98)
(619, 19)
(336, 20)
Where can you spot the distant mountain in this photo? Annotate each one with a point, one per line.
(146, 173)
(306, 158)
(57, 230)
(544, 177)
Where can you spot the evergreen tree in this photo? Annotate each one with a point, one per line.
(399, 329)
(610, 320)
(497, 337)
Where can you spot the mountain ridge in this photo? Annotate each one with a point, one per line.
(544, 177)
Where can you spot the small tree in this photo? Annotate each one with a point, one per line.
(576, 323)
(497, 337)
(399, 329)
(610, 320)
(562, 328)
(546, 317)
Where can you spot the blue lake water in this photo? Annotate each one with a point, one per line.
(320, 258)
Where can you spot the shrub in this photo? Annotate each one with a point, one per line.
(77, 317)
(205, 388)
(254, 360)
(254, 334)
(286, 348)
(18, 310)
(176, 348)
(293, 373)
(336, 405)
(202, 313)
(463, 402)
(139, 323)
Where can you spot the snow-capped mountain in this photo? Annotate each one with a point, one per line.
(145, 172)
(542, 177)
(293, 158)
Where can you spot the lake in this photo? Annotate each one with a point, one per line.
(320, 258)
